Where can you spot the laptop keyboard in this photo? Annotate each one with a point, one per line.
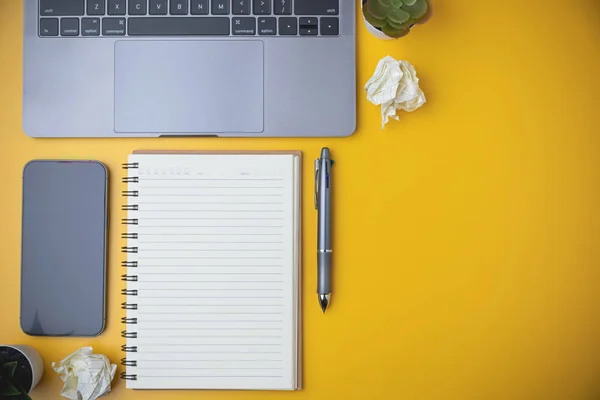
(92, 18)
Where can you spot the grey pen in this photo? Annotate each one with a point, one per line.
(323, 206)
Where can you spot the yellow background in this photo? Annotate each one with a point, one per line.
(466, 235)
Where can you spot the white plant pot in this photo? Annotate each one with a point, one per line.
(35, 361)
(372, 30)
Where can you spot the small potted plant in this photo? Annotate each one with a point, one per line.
(21, 368)
(392, 19)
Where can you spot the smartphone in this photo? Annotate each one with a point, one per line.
(63, 248)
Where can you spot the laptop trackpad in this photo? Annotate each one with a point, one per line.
(186, 87)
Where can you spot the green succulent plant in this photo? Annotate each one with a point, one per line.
(395, 17)
(10, 388)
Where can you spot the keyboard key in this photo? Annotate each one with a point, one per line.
(309, 22)
(65, 8)
(49, 27)
(90, 26)
(158, 7)
(138, 7)
(267, 26)
(288, 26)
(96, 7)
(220, 7)
(180, 26)
(283, 7)
(262, 7)
(243, 25)
(241, 7)
(179, 7)
(113, 26)
(116, 7)
(316, 7)
(309, 31)
(200, 7)
(330, 26)
(69, 27)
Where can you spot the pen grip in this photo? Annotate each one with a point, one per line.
(324, 272)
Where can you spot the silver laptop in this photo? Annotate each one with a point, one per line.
(127, 68)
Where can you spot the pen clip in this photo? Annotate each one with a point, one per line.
(317, 171)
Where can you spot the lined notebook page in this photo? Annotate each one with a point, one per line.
(217, 271)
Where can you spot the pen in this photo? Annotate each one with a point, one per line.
(323, 207)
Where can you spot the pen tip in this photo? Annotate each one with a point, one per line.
(324, 301)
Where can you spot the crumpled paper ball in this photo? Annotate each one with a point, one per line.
(394, 86)
(87, 376)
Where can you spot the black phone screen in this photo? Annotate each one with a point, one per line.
(63, 257)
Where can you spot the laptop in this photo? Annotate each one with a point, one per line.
(227, 68)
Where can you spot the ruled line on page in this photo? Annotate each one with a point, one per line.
(219, 344)
(212, 226)
(213, 195)
(207, 297)
(217, 329)
(209, 234)
(195, 242)
(215, 273)
(217, 281)
(204, 289)
(228, 250)
(140, 267)
(220, 320)
(204, 210)
(212, 376)
(216, 368)
(146, 178)
(212, 218)
(213, 202)
(210, 258)
(142, 186)
(208, 313)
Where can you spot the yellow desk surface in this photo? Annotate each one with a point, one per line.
(467, 244)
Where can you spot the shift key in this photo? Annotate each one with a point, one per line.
(63, 8)
(316, 7)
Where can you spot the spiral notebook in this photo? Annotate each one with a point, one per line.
(213, 271)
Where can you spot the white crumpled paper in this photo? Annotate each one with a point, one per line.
(394, 86)
(87, 376)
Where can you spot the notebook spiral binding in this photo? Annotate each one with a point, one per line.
(129, 363)
(131, 165)
(128, 306)
(127, 334)
(129, 349)
(128, 377)
(129, 264)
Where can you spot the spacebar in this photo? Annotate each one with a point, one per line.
(160, 26)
